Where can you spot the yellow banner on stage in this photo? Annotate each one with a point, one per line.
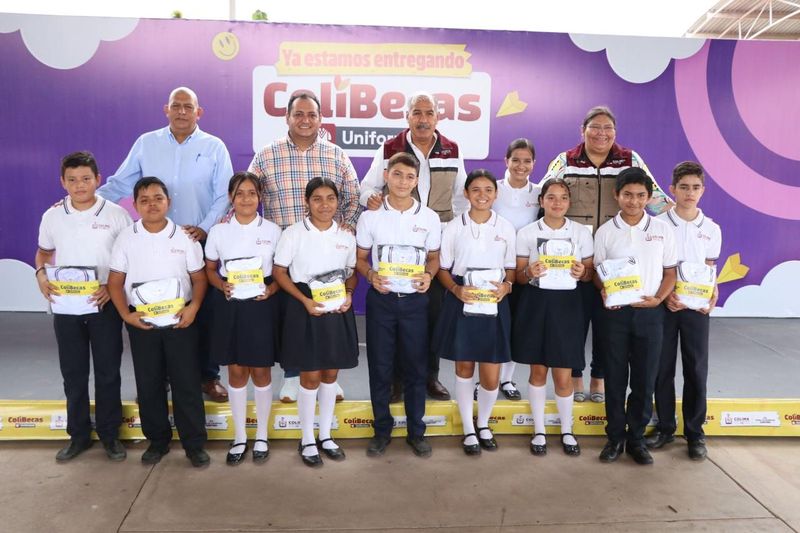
(622, 284)
(165, 308)
(399, 270)
(245, 276)
(76, 288)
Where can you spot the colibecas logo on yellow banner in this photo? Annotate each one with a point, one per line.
(167, 307)
(76, 288)
(326, 294)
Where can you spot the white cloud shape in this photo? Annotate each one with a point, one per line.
(778, 295)
(18, 288)
(638, 59)
(65, 42)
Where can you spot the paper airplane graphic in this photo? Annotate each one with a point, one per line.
(733, 269)
(511, 105)
(340, 84)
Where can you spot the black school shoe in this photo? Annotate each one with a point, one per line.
(259, 456)
(658, 440)
(640, 454)
(470, 449)
(419, 446)
(233, 459)
(334, 454)
(512, 393)
(115, 451)
(309, 460)
(198, 457)
(697, 449)
(611, 451)
(538, 449)
(153, 454)
(377, 445)
(490, 445)
(570, 449)
(73, 450)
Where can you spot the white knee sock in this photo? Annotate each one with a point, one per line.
(464, 399)
(238, 401)
(538, 397)
(263, 396)
(327, 402)
(564, 404)
(507, 371)
(306, 401)
(486, 401)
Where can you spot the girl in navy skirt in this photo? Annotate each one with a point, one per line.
(244, 333)
(315, 265)
(477, 271)
(552, 254)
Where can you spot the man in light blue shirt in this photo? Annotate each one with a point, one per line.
(196, 168)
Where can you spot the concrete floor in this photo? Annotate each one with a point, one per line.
(747, 485)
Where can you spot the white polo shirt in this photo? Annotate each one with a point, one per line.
(518, 206)
(232, 240)
(467, 244)
(529, 238)
(306, 251)
(651, 242)
(83, 238)
(417, 226)
(697, 240)
(143, 256)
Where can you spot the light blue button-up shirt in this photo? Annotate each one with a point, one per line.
(196, 172)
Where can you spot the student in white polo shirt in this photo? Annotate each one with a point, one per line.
(244, 335)
(477, 264)
(315, 264)
(79, 231)
(634, 332)
(518, 202)
(402, 239)
(157, 284)
(699, 240)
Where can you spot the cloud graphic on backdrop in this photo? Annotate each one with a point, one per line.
(638, 59)
(773, 298)
(18, 288)
(45, 36)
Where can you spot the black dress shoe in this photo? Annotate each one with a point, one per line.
(397, 393)
(490, 445)
(436, 390)
(511, 393)
(73, 450)
(611, 451)
(198, 457)
(115, 451)
(334, 454)
(309, 460)
(377, 445)
(570, 449)
(538, 449)
(234, 459)
(470, 449)
(259, 456)
(419, 446)
(697, 449)
(154, 453)
(658, 440)
(639, 454)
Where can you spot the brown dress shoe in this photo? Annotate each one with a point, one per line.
(215, 391)
(436, 390)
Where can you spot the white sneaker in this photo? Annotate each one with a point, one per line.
(339, 393)
(289, 389)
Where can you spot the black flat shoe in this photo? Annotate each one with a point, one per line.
(658, 440)
(570, 449)
(377, 445)
(334, 454)
(309, 460)
(258, 456)
(470, 449)
(697, 450)
(640, 454)
(490, 445)
(511, 393)
(234, 459)
(611, 451)
(72, 450)
(538, 449)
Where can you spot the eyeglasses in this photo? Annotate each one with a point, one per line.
(597, 128)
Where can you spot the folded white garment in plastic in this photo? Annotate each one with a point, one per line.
(695, 284)
(485, 301)
(558, 256)
(159, 300)
(400, 264)
(246, 276)
(328, 289)
(621, 280)
(76, 284)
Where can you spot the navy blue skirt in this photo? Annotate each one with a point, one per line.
(548, 328)
(483, 339)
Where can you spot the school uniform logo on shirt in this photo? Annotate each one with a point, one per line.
(418, 229)
(500, 238)
(97, 225)
(650, 237)
(703, 236)
(341, 246)
(264, 242)
(177, 251)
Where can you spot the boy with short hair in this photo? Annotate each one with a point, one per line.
(699, 240)
(76, 235)
(157, 283)
(634, 332)
(402, 237)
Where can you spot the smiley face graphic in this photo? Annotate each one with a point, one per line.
(225, 45)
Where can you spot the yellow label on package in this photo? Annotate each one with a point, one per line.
(684, 288)
(167, 307)
(326, 294)
(628, 283)
(557, 262)
(484, 296)
(399, 270)
(76, 288)
(245, 276)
